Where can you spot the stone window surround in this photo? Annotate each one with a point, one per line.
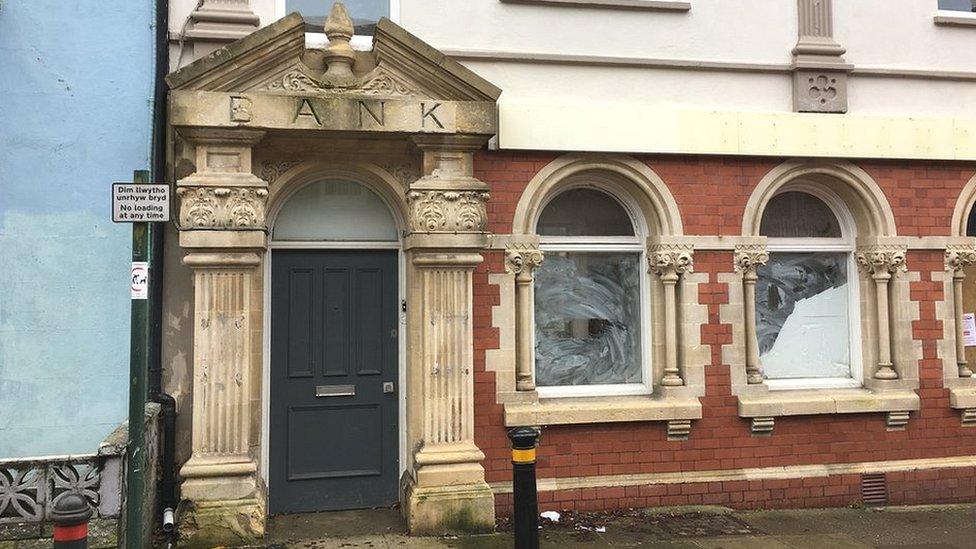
(677, 356)
(882, 257)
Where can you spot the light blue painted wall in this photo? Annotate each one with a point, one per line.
(76, 80)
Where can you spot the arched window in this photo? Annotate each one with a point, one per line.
(806, 295)
(590, 297)
(335, 210)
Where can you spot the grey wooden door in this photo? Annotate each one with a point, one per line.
(334, 435)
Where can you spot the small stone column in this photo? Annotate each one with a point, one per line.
(669, 262)
(445, 488)
(748, 259)
(522, 261)
(883, 263)
(222, 227)
(957, 259)
(216, 23)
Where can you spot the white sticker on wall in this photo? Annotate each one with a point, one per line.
(969, 329)
(140, 280)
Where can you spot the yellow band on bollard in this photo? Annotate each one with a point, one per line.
(523, 456)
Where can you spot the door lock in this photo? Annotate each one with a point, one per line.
(388, 388)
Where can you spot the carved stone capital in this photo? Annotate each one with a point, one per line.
(519, 260)
(749, 257)
(669, 260)
(958, 258)
(882, 259)
(204, 207)
(448, 211)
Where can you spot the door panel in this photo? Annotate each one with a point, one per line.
(333, 345)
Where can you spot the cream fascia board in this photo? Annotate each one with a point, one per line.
(636, 5)
(633, 128)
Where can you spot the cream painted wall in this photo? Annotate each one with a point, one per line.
(746, 45)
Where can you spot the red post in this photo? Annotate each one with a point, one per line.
(70, 517)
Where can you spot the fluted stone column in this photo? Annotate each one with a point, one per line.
(956, 260)
(445, 487)
(882, 263)
(819, 70)
(670, 262)
(522, 261)
(216, 23)
(222, 227)
(748, 258)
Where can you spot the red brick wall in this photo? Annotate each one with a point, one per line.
(711, 193)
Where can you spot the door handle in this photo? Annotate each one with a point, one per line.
(388, 388)
(322, 391)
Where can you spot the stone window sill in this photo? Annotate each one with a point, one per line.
(826, 401)
(636, 5)
(955, 19)
(617, 409)
(962, 397)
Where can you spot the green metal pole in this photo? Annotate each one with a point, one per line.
(138, 372)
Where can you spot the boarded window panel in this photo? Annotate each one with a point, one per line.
(587, 319)
(798, 215)
(802, 315)
(584, 212)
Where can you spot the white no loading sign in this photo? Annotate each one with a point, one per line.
(140, 202)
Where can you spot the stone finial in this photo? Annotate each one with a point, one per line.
(339, 56)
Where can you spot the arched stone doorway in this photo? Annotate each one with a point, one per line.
(263, 120)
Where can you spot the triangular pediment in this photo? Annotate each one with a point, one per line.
(274, 60)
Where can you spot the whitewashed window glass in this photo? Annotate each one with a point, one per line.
(365, 13)
(806, 294)
(589, 297)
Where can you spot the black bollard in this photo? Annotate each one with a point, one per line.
(70, 517)
(526, 517)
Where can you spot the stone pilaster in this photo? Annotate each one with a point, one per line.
(216, 23)
(222, 226)
(748, 259)
(670, 261)
(819, 70)
(957, 258)
(445, 489)
(882, 263)
(522, 260)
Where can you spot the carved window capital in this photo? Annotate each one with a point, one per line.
(670, 261)
(204, 207)
(749, 257)
(522, 260)
(958, 258)
(883, 260)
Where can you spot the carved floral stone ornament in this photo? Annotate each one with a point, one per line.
(521, 258)
(671, 260)
(440, 211)
(883, 260)
(222, 207)
(749, 257)
(958, 258)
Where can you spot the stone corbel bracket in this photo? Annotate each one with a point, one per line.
(897, 421)
(679, 429)
(670, 261)
(222, 194)
(763, 426)
(820, 73)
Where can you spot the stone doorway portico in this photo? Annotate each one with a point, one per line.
(249, 123)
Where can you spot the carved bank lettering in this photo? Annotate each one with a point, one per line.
(426, 113)
(377, 115)
(305, 111)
